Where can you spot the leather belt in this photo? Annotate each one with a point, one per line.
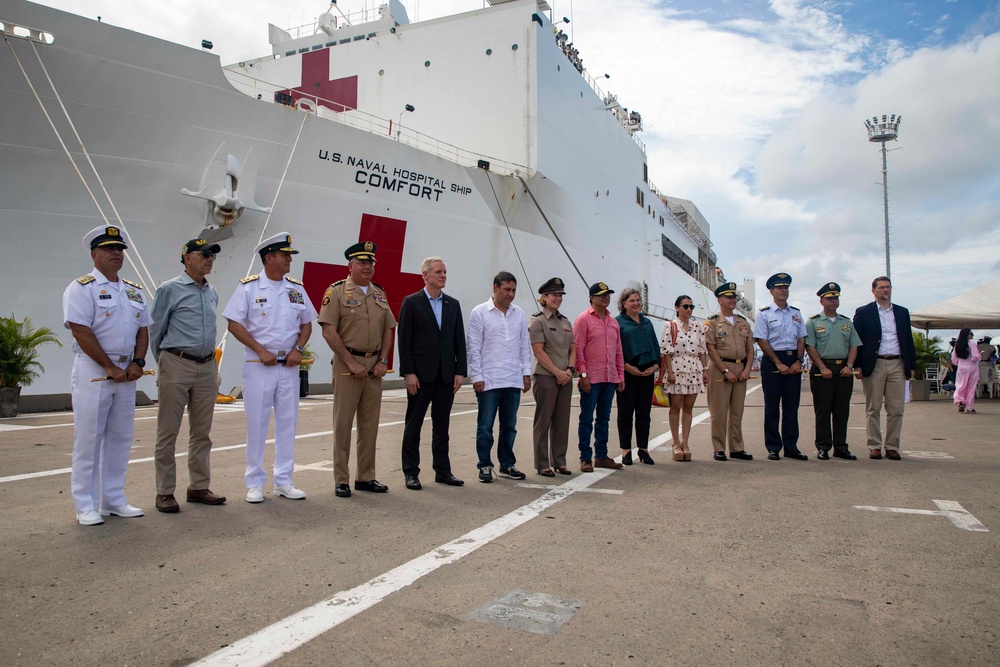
(123, 357)
(359, 353)
(835, 362)
(187, 355)
(785, 352)
(732, 361)
(890, 356)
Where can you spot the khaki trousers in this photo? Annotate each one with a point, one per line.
(725, 404)
(551, 424)
(351, 397)
(886, 383)
(183, 383)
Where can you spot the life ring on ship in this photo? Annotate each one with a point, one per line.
(305, 104)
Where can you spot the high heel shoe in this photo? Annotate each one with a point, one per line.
(627, 458)
(687, 452)
(678, 452)
(645, 457)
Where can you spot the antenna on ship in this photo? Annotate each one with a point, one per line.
(880, 132)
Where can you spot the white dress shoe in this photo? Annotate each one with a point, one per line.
(289, 491)
(126, 510)
(255, 495)
(91, 518)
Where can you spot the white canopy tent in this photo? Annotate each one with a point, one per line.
(979, 307)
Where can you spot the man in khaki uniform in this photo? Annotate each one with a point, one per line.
(729, 340)
(357, 325)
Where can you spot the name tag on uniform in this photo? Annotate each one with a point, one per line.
(351, 302)
(553, 329)
(260, 300)
(104, 296)
(720, 332)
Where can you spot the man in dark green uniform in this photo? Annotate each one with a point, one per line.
(832, 344)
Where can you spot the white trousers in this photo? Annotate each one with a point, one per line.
(103, 422)
(267, 388)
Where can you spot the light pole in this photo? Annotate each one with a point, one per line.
(399, 125)
(880, 132)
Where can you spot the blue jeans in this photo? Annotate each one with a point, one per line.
(506, 400)
(600, 396)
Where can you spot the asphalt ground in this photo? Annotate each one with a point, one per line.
(700, 563)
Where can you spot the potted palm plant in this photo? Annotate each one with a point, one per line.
(19, 366)
(928, 350)
(308, 357)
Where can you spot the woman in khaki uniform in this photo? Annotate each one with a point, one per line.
(551, 337)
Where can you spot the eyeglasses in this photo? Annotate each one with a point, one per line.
(689, 306)
(207, 254)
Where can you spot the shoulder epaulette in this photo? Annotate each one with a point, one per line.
(249, 279)
(791, 307)
(378, 286)
(765, 308)
(816, 316)
(338, 283)
(129, 282)
(293, 280)
(83, 280)
(713, 316)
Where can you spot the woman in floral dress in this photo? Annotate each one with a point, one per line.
(684, 364)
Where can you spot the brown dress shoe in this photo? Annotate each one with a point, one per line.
(892, 454)
(586, 466)
(874, 453)
(607, 463)
(205, 497)
(167, 504)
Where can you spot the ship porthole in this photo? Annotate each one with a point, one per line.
(513, 47)
(427, 63)
(489, 52)
(381, 72)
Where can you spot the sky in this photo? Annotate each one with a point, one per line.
(754, 110)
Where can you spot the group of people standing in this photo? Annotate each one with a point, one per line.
(271, 315)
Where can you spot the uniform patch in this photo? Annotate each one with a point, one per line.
(745, 329)
(380, 298)
(820, 329)
(845, 327)
(133, 295)
(326, 295)
(294, 296)
(796, 318)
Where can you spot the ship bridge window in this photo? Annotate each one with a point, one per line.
(305, 50)
(345, 41)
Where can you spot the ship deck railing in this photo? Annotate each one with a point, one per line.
(692, 230)
(337, 113)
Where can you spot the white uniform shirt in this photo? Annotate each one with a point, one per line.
(890, 339)
(114, 312)
(498, 348)
(273, 317)
(781, 328)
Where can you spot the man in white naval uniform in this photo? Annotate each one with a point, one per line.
(110, 325)
(272, 316)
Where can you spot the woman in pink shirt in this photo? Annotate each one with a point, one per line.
(966, 359)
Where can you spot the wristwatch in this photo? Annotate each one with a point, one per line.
(583, 375)
(384, 360)
(141, 363)
(849, 366)
(571, 369)
(300, 348)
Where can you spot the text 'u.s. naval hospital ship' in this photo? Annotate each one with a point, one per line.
(522, 163)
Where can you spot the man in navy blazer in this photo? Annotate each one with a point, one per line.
(888, 358)
(432, 359)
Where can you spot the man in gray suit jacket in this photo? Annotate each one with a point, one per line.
(432, 359)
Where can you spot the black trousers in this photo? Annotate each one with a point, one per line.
(440, 395)
(832, 405)
(781, 402)
(636, 399)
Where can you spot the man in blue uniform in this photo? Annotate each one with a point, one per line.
(781, 333)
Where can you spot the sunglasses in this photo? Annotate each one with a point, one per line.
(207, 254)
(688, 306)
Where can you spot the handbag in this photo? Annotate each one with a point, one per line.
(661, 399)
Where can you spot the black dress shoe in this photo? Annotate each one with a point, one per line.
(412, 483)
(773, 456)
(720, 456)
(342, 491)
(742, 456)
(374, 486)
(448, 478)
(823, 455)
(645, 457)
(798, 456)
(844, 455)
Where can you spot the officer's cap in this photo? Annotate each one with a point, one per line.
(361, 250)
(553, 286)
(105, 237)
(779, 280)
(829, 289)
(282, 242)
(726, 289)
(600, 289)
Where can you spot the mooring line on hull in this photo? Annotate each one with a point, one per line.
(509, 233)
(552, 229)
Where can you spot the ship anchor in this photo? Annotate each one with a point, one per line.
(229, 187)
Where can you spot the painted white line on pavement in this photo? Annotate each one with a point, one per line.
(613, 492)
(957, 514)
(270, 643)
(147, 459)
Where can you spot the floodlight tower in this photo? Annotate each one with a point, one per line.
(881, 132)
